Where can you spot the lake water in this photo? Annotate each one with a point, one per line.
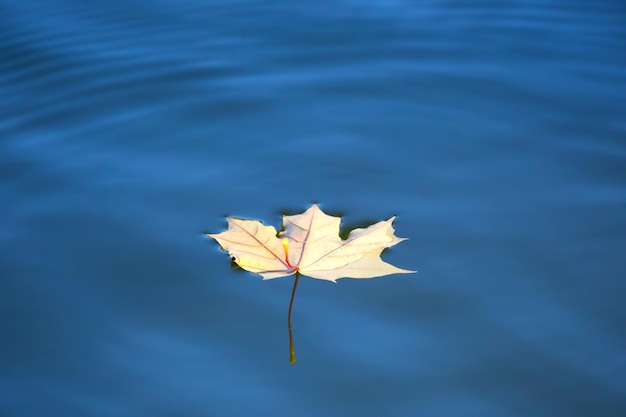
(494, 130)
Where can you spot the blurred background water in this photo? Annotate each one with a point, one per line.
(494, 130)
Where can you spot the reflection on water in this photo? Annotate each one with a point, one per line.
(494, 131)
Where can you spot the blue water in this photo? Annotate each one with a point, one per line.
(494, 130)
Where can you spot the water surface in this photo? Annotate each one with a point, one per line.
(493, 130)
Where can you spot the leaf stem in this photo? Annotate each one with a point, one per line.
(292, 352)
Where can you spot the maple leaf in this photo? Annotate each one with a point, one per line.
(316, 250)
(310, 245)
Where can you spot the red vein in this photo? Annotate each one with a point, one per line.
(306, 238)
(262, 244)
(343, 244)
